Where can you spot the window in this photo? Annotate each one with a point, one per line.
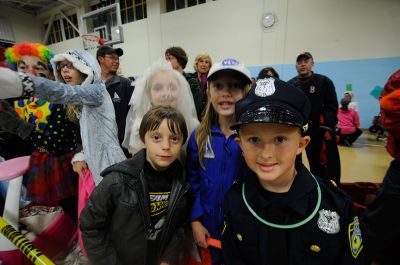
(172, 5)
(102, 3)
(55, 32)
(131, 10)
(61, 29)
(70, 32)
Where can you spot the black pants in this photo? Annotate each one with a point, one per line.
(380, 222)
(349, 139)
(331, 168)
(313, 151)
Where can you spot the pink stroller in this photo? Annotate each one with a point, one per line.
(53, 240)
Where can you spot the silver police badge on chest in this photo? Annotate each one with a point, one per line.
(265, 87)
(328, 221)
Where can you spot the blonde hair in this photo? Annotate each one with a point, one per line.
(210, 117)
(201, 56)
(72, 112)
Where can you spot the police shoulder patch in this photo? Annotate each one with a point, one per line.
(355, 238)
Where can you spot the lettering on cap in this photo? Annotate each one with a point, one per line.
(230, 62)
(265, 87)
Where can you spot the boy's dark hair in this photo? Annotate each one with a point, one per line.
(264, 73)
(153, 118)
(344, 102)
(179, 54)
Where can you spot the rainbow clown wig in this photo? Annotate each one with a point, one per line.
(16, 52)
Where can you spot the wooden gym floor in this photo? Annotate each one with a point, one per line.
(366, 160)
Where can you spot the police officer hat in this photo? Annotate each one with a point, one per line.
(273, 101)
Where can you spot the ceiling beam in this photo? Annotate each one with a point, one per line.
(69, 21)
(13, 6)
(30, 3)
(69, 3)
(50, 25)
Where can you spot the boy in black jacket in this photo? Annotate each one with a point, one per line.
(138, 212)
(281, 213)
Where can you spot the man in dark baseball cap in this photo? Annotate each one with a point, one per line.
(105, 49)
(322, 152)
(119, 87)
(305, 56)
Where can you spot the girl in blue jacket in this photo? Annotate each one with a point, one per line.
(214, 160)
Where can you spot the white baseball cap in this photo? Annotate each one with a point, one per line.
(232, 65)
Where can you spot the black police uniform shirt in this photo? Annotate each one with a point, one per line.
(321, 92)
(332, 236)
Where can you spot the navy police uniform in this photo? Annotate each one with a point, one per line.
(313, 223)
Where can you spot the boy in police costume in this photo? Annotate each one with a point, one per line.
(281, 213)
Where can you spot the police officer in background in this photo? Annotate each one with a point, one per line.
(119, 88)
(281, 213)
(320, 90)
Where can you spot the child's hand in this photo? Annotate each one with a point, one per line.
(200, 234)
(78, 167)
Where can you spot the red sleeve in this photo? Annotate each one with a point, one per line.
(390, 113)
(392, 84)
(390, 108)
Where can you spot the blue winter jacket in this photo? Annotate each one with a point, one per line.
(224, 164)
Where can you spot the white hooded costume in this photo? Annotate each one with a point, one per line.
(178, 91)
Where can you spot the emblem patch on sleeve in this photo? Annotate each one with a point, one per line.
(328, 221)
(355, 238)
(208, 152)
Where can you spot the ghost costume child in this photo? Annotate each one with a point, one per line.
(160, 84)
(97, 118)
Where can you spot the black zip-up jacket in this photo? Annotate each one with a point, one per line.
(116, 219)
(321, 92)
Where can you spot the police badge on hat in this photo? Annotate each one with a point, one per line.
(265, 87)
(328, 221)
